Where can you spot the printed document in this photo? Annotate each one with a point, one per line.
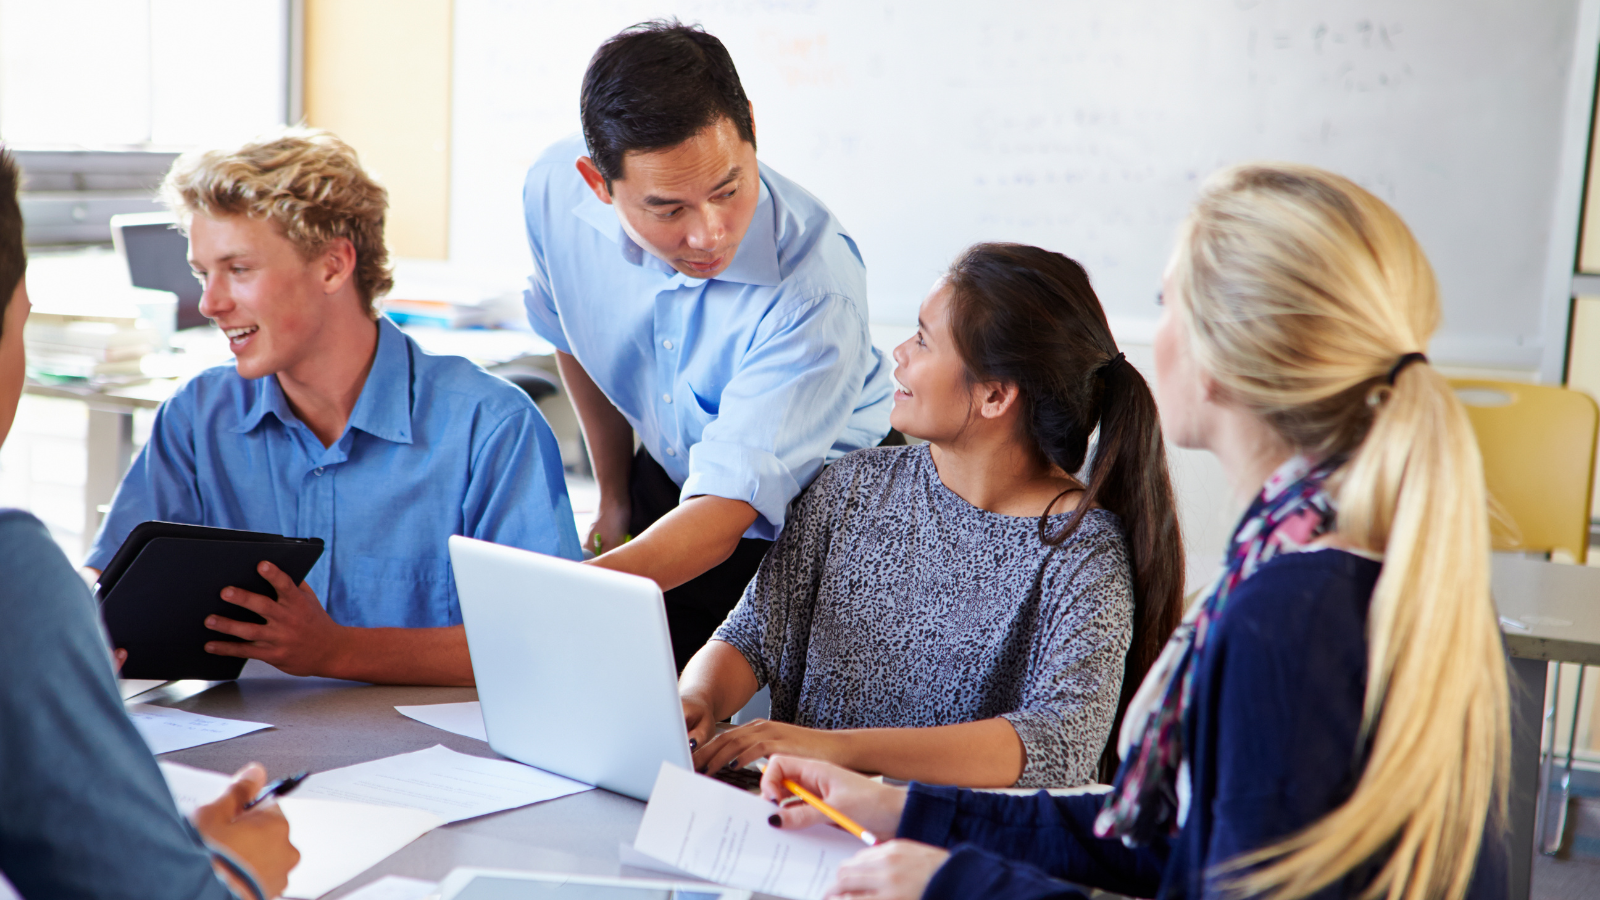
(720, 833)
(451, 785)
(337, 841)
(166, 730)
(465, 719)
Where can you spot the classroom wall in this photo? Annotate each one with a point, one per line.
(378, 74)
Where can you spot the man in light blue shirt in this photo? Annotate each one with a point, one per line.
(705, 303)
(332, 423)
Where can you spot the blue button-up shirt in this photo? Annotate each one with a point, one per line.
(742, 385)
(435, 446)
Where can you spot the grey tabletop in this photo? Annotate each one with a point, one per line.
(322, 724)
(1548, 610)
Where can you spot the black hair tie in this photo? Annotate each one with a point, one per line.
(1106, 367)
(1404, 361)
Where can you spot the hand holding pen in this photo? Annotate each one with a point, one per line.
(280, 788)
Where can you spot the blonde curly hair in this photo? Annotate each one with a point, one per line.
(306, 181)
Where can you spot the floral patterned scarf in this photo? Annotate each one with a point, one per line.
(1150, 795)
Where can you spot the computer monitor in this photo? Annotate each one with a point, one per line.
(157, 256)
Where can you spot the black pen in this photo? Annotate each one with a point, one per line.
(279, 788)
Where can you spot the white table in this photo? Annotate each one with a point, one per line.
(1555, 609)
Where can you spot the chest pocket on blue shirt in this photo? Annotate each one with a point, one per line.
(707, 408)
(405, 593)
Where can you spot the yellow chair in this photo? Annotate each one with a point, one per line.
(1538, 445)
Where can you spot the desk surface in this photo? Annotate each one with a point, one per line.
(324, 724)
(1548, 610)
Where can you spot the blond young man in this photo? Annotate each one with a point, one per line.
(332, 423)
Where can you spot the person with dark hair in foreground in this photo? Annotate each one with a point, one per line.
(84, 812)
(967, 611)
(704, 302)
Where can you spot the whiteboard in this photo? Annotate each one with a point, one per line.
(1086, 126)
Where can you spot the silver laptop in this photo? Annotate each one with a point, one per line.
(574, 666)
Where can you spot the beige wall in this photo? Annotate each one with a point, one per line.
(377, 73)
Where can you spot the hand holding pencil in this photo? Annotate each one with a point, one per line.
(810, 792)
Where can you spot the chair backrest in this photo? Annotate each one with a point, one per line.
(1538, 446)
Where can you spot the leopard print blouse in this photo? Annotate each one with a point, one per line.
(888, 601)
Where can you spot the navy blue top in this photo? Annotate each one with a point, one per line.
(1271, 745)
(84, 811)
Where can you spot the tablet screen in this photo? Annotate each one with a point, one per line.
(489, 887)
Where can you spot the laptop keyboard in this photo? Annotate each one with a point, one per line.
(744, 778)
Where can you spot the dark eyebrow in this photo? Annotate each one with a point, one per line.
(920, 326)
(733, 173)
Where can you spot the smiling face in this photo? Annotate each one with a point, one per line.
(688, 205)
(269, 300)
(934, 399)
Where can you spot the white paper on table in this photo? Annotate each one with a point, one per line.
(465, 719)
(394, 887)
(717, 832)
(166, 730)
(451, 785)
(133, 687)
(337, 841)
(628, 855)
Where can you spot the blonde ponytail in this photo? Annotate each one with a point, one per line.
(1300, 291)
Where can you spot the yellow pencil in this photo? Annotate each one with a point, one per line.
(842, 820)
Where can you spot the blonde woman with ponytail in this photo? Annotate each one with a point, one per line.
(1331, 720)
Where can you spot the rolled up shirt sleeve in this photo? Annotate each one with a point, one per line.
(778, 417)
(538, 299)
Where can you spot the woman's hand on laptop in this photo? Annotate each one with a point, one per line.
(299, 637)
(700, 721)
(751, 741)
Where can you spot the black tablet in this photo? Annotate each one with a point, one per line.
(166, 578)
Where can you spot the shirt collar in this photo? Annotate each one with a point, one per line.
(384, 408)
(756, 262)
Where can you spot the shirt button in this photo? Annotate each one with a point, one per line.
(319, 470)
(667, 343)
(671, 452)
(666, 398)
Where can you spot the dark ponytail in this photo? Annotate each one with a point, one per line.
(1027, 316)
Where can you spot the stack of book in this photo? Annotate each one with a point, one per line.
(64, 345)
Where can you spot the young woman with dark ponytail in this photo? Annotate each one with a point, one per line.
(967, 611)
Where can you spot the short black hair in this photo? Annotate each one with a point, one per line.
(655, 85)
(13, 260)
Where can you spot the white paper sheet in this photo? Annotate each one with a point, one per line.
(133, 687)
(451, 785)
(394, 887)
(465, 719)
(628, 855)
(166, 730)
(337, 841)
(720, 833)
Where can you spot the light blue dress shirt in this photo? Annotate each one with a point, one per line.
(435, 446)
(740, 386)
